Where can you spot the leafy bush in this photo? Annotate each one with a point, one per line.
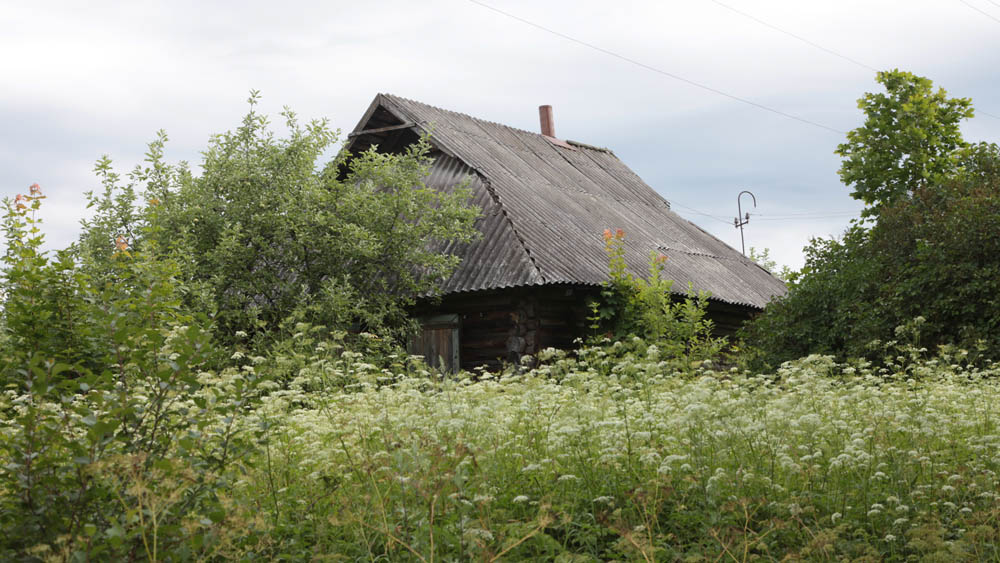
(764, 260)
(933, 255)
(269, 235)
(932, 251)
(647, 308)
(940, 256)
(42, 313)
(116, 439)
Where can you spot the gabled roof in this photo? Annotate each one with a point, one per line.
(546, 206)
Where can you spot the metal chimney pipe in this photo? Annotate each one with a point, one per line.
(548, 124)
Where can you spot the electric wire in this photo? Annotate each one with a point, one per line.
(798, 37)
(696, 212)
(757, 217)
(657, 70)
(835, 53)
(983, 12)
(807, 218)
(994, 18)
(798, 216)
(804, 213)
(761, 217)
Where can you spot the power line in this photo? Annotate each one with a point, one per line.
(805, 213)
(656, 70)
(994, 18)
(696, 212)
(788, 217)
(770, 216)
(798, 37)
(807, 218)
(835, 53)
(983, 12)
(799, 216)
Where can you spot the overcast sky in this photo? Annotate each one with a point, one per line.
(78, 80)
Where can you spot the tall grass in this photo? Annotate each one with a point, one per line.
(579, 460)
(611, 453)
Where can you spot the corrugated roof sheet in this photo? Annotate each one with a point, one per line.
(545, 209)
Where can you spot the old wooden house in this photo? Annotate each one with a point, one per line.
(526, 284)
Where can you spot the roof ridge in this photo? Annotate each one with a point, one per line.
(591, 147)
(743, 260)
(496, 123)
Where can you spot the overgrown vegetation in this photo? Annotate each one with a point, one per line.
(928, 246)
(597, 454)
(269, 235)
(186, 383)
(590, 457)
(763, 259)
(648, 309)
(128, 361)
(108, 417)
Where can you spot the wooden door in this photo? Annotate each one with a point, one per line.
(438, 342)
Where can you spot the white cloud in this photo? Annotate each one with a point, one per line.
(79, 80)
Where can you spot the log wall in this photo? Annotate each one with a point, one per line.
(498, 327)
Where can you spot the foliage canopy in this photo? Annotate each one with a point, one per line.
(910, 140)
(268, 234)
(645, 311)
(932, 251)
(128, 361)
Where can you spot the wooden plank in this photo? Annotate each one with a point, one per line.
(406, 125)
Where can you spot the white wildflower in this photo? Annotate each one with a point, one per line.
(478, 533)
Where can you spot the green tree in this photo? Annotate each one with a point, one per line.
(932, 251)
(938, 255)
(269, 233)
(763, 259)
(910, 140)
